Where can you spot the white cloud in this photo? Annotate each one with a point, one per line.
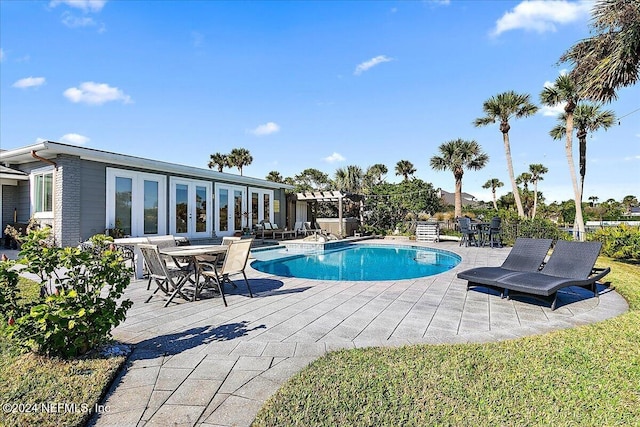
(85, 5)
(632, 158)
(39, 140)
(361, 68)
(72, 21)
(542, 15)
(96, 94)
(1, 55)
(335, 157)
(29, 82)
(74, 138)
(266, 129)
(554, 111)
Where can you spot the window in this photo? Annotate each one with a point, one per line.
(136, 202)
(42, 193)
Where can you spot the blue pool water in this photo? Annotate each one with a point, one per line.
(357, 262)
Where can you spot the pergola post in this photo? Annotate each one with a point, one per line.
(340, 231)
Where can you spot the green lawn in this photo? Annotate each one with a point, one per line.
(587, 376)
(41, 391)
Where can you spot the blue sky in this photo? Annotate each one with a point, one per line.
(303, 84)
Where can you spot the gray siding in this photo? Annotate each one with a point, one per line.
(93, 193)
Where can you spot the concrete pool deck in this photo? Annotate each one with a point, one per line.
(203, 364)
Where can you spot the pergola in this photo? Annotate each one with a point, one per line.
(326, 196)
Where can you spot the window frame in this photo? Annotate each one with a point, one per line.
(41, 172)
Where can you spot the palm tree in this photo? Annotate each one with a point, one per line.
(219, 160)
(524, 178)
(493, 183)
(274, 176)
(536, 170)
(456, 156)
(503, 107)
(564, 90)
(405, 168)
(610, 58)
(240, 157)
(349, 179)
(377, 173)
(527, 204)
(586, 118)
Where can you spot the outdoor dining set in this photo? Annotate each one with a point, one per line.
(184, 270)
(480, 233)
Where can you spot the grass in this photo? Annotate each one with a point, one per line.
(40, 384)
(587, 376)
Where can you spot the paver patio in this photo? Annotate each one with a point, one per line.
(200, 363)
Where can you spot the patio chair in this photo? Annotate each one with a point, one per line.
(527, 255)
(234, 263)
(168, 280)
(469, 235)
(570, 264)
(217, 259)
(495, 232)
(308, 229)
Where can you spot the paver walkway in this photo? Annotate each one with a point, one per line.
(200, 363)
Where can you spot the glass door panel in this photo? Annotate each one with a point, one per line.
(237, 210)
(124, 190)
(223, 203)
(201, 209)
(151, 199)
(182, 209)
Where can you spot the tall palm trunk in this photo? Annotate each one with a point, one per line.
(535, 199)
(514, 186)
(458, 196)
(495, 204)
(582, 137)
(578, 223)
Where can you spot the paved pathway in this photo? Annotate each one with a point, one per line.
(200, 363)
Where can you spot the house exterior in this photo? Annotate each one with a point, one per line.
(448, 199)
(81, 191)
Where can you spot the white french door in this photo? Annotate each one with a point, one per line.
(191, 208)
(231, 214)
(261, 206)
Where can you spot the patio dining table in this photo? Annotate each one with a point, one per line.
(192, 253)
(483, 231)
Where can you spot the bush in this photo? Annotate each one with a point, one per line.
(621, 242)
(77, 306)
(535, 228)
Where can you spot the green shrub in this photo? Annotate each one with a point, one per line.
(621, 242)
(78, 302)
(538, 228)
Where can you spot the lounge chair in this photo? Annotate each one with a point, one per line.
(570, 264)
(527, 255)
(308, 229)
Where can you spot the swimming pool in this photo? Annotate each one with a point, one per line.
(361, 262)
